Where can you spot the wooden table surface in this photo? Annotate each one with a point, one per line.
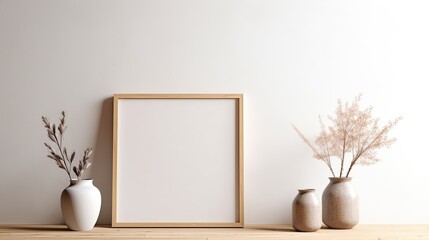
(364, 232)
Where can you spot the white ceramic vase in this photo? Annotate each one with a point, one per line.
(81, 204)
(306, 211)
(340, 204)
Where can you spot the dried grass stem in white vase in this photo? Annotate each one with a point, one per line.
(81, 200)
(62, 158)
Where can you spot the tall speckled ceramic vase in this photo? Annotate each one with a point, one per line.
(340, 204)
(306, 211)
(81, 204)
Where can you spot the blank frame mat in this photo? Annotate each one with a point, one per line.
(177, 160)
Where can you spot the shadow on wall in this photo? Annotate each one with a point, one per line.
(101, 169)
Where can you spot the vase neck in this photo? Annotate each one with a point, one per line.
(339, 179)
(84, 181)
(301, 191)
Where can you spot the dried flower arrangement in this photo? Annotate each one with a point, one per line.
(354, 134)
(63, 160)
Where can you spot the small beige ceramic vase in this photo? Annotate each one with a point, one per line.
(340, 204)
(306, 211)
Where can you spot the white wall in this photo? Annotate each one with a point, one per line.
(291, 59)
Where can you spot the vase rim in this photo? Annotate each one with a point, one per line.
(340, 179)
(75, 180)
(306, 190)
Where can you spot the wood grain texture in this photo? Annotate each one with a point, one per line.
(364, 232)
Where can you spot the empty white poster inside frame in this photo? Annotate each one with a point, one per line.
(178, 161)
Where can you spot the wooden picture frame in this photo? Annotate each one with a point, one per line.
(177, 160)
